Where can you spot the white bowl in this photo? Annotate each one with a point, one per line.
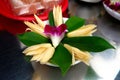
(91, 1)
(112, 12)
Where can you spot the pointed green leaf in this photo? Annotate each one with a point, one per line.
(51, 19)
(74, 23)
(62, 58)
(31, 38)
(88, 43)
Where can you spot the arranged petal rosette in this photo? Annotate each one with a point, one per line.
(61, 42)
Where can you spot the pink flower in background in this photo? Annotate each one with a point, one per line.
(113, 4)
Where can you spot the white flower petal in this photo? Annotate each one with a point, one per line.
(56, 39)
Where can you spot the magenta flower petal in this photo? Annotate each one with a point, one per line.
(52, 30)
(55, 33)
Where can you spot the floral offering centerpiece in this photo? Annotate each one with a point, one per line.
(61, 42)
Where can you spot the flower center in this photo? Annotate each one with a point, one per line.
(56, 34)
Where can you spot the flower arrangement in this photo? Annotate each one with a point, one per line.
(113, 4)
(61, 43)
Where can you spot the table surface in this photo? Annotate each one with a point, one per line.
(106, 68)
(108, 28)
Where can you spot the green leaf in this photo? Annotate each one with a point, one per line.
(88, 43)
(62, 58)
(74, 23)
(51, 19)
(31, 38)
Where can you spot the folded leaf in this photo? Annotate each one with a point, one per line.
(31, 38)
(62, 58)
(74, 23)
(88, 43)
(51, 19)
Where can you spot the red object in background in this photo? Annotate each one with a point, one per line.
(5, 10)
(14, 24)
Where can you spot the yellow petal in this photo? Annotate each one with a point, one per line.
(37, 57)
(89, 33)
(68, 47)
(35, 47)
(80, 55)
(73, 58)
(35, 28)
(48, 55)
(83, 31)
(88, 26)
(39, 21)
(28, 29)
(57, 14)
(35, 52)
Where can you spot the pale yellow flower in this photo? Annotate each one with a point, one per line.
(41, 52)
(77, 54)
(39, 21)
(57, 14)
(34, 27)
(86, 30)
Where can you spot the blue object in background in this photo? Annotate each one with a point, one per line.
(12, 63)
